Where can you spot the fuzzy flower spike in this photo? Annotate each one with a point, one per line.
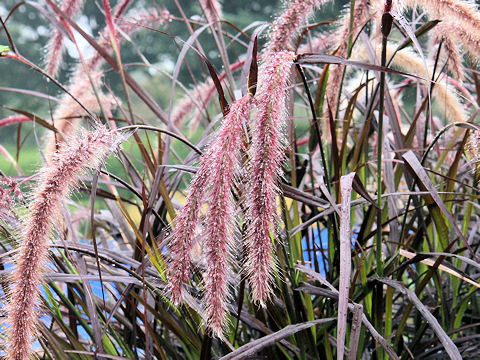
(220, 219)
(287, 25)
(265, 158)
(56, 45)
(58, 178)
(213, 181)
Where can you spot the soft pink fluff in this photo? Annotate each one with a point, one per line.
(57, 180)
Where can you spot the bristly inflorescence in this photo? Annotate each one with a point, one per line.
(459, 11)
(223, 159)
(473, 145)
(460, 21)
(213, 184)
(57, 179)
(289, 22)
(84, 89)
(214, 180)
(282, 35)
(265, 158)
(9, 193)
(56, 44)
(450, 47)
(200, 95)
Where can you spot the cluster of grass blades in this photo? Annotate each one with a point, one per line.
(374, 241)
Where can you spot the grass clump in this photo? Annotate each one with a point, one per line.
(314, 194)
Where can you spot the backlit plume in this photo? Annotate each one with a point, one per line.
(215, 178)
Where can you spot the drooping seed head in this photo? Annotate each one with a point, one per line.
(473, 145)
(183, 236)
(211, 184)
(57, 179)
(264, 170)
(220, 220)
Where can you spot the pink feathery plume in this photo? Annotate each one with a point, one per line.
(213, 180)
(56, 45)
(57, 180)
(450, 46)
(288, 24)
(223, 160)
(266, 155)
(182, 238)
(68, 113)
(9, 192)
(463, 13)
(146, 18)
(200, 94)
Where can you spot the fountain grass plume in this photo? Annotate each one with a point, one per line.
(463, 13)
(288, 24)
(409, 61)
(57, 179)
(460, 22)
(457, 33)
(450, 48)
(265, 158)
(68, 114)
(142, 19)
(213, 181)
(224, 162)
(200, 94)
(127, 25)
(182, 237)
(55, 45)
(473, 146)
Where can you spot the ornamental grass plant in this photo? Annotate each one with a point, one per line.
(179, 180)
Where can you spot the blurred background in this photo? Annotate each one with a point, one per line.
(150, 56)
